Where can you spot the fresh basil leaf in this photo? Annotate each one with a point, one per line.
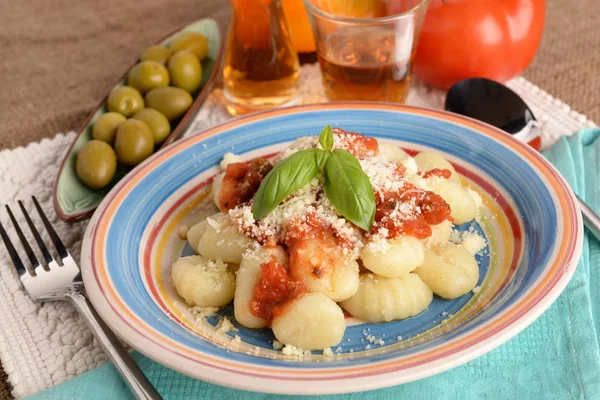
(326, 138)
(349, 189)
(321, 157)
(286, 177)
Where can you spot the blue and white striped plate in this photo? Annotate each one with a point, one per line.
(530, 220)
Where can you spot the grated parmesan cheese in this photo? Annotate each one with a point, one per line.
(225, 326)
(383, 174)
(476, 289)
(350, 142)
(378, 243)
(290, 350)
(456, 237)
(374, 340)
(303, 143)
(277, 345)
(472, 242)
(229, 158)
(328, 352)
(200, 313)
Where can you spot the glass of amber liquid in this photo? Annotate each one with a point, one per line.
(261, 65)
(366, 47)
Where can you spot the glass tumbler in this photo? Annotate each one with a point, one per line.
(366, 49)
(261, 65)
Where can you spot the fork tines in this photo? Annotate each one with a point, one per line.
(36, 265)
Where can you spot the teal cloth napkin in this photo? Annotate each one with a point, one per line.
(556, 357)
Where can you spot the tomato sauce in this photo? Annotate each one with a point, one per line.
(303, 227)
(358, 145)
(241, 182)
(434, 208)
(416, 226)
(274, 290)
(430, 209)
(442, 173)
(399, 169)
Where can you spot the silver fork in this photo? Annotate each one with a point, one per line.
(61, 280)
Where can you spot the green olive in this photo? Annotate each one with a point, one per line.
(194, 42)
(171, 102)
(105, 127)
(148, 75)
(186, 71)
(134, 142)
(158, 123)
(157, 53)
(96, 164)
(125, 100)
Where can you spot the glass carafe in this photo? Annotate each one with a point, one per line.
(261, 65)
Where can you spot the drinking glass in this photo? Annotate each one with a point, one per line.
(368, 55)
(261, 65)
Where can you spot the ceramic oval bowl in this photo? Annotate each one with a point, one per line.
(530, 219)
(74, 201)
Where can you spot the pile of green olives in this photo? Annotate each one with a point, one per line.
(140, 115)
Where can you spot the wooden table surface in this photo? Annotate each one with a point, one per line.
(59, 58)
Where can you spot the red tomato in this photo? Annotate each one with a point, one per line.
(472, 38)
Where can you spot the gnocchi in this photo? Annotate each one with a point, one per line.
(401, 257)
(320, 265)
(216, 190)
(440, 234)
(427, 161)
(195, 233)
(381, 299)
(221, 239)
(463, 207)
(393, 152)
(311, 322)
(248, 275)
(295, 269)
(450, 271)
(203, 282)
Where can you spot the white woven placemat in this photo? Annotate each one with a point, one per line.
(44, 345)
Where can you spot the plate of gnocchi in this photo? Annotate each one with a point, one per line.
(331, 248)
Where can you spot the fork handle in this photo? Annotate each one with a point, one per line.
(122, 360)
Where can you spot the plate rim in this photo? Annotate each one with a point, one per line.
(263, 384)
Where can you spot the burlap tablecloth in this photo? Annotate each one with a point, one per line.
(59, 58)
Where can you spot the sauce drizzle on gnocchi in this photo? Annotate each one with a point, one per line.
(274, 290)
